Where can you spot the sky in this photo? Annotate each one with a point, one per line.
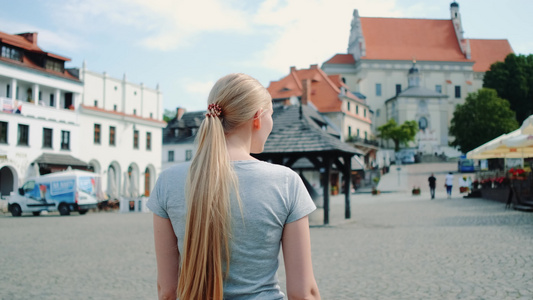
(184, 46)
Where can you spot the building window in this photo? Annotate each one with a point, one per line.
(357, 109)
(438, 88)
(398, 89)
(65, 140)
(54, 65)
(24, 134)
(115, 107)
(188, 155)
(364, 112)
(97, 134)
(348, 103)
(111, 135)
(151, 115)
(8, 91)
(3, 132)
(357, 132)
(52, 100)
(366, 135)
(171, 155)
(17, 93)
(377, 112)
(457, 91)
(11, 53)
(423, 123)
(40, 95)
(95, 103)
(378, 89)
(148, 141)
(47, 138)
(136, 139)
(134, 112)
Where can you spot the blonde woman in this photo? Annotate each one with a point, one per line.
(214, 243)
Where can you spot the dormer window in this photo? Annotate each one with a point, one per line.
(54, 65)
(11, 53)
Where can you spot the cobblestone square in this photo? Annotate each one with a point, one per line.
(396, 246)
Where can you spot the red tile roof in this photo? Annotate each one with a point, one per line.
(18, 41)
(407, 39)
(325, 89)
(21, 42)
(487, 52)
(121, 114)
(423, 40)
(341, 59)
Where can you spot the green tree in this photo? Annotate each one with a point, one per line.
(483, 117)
(513, 81)
(168, 115)
(399, 134)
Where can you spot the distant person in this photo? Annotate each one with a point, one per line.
(449, 184)
(432, 183)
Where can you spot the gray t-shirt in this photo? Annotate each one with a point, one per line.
(271, 196)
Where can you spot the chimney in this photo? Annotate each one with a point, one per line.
(313, 67)
(30, 36)
(293, 69)
(306, 91)
(179, 113)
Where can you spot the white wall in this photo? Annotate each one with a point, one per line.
(36, 115)
(128, 98)
(180, 151)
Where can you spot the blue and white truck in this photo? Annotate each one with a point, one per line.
(67, 191)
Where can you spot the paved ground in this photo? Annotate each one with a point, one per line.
(396, 246)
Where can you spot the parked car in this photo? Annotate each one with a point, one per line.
(408, 158)
(62, 191)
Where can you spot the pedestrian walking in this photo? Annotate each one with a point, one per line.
(220, 220)
(449, 184)
(432, 184)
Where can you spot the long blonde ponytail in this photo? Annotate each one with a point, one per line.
(211, 178)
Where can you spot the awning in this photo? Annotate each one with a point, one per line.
(60, 160)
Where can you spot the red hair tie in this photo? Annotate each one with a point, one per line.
(213, 110)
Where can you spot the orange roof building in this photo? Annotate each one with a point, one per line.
(329, 95)
(382, 50)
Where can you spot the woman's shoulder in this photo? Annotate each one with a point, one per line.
(263, 167)
(175, 171)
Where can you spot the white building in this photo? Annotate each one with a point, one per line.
(39, 101)
(109, 125)
(179, 135)
(381, 52)
(121, 125)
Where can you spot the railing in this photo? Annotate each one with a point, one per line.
(38, 111)
(355, 139)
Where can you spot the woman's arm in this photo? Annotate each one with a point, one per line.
(168, 258)
(296, 243)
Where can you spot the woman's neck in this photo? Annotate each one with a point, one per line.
(238, 145)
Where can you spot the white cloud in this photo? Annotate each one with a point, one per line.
(49, 41)
(159, 24)
(311, 31)
(199, 87)
(195, 93)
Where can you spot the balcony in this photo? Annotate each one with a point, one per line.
(362, 141)
(43, 112)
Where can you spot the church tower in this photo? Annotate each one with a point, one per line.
(458, 27)
(413, 78)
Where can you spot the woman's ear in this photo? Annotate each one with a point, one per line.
(257, 117)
